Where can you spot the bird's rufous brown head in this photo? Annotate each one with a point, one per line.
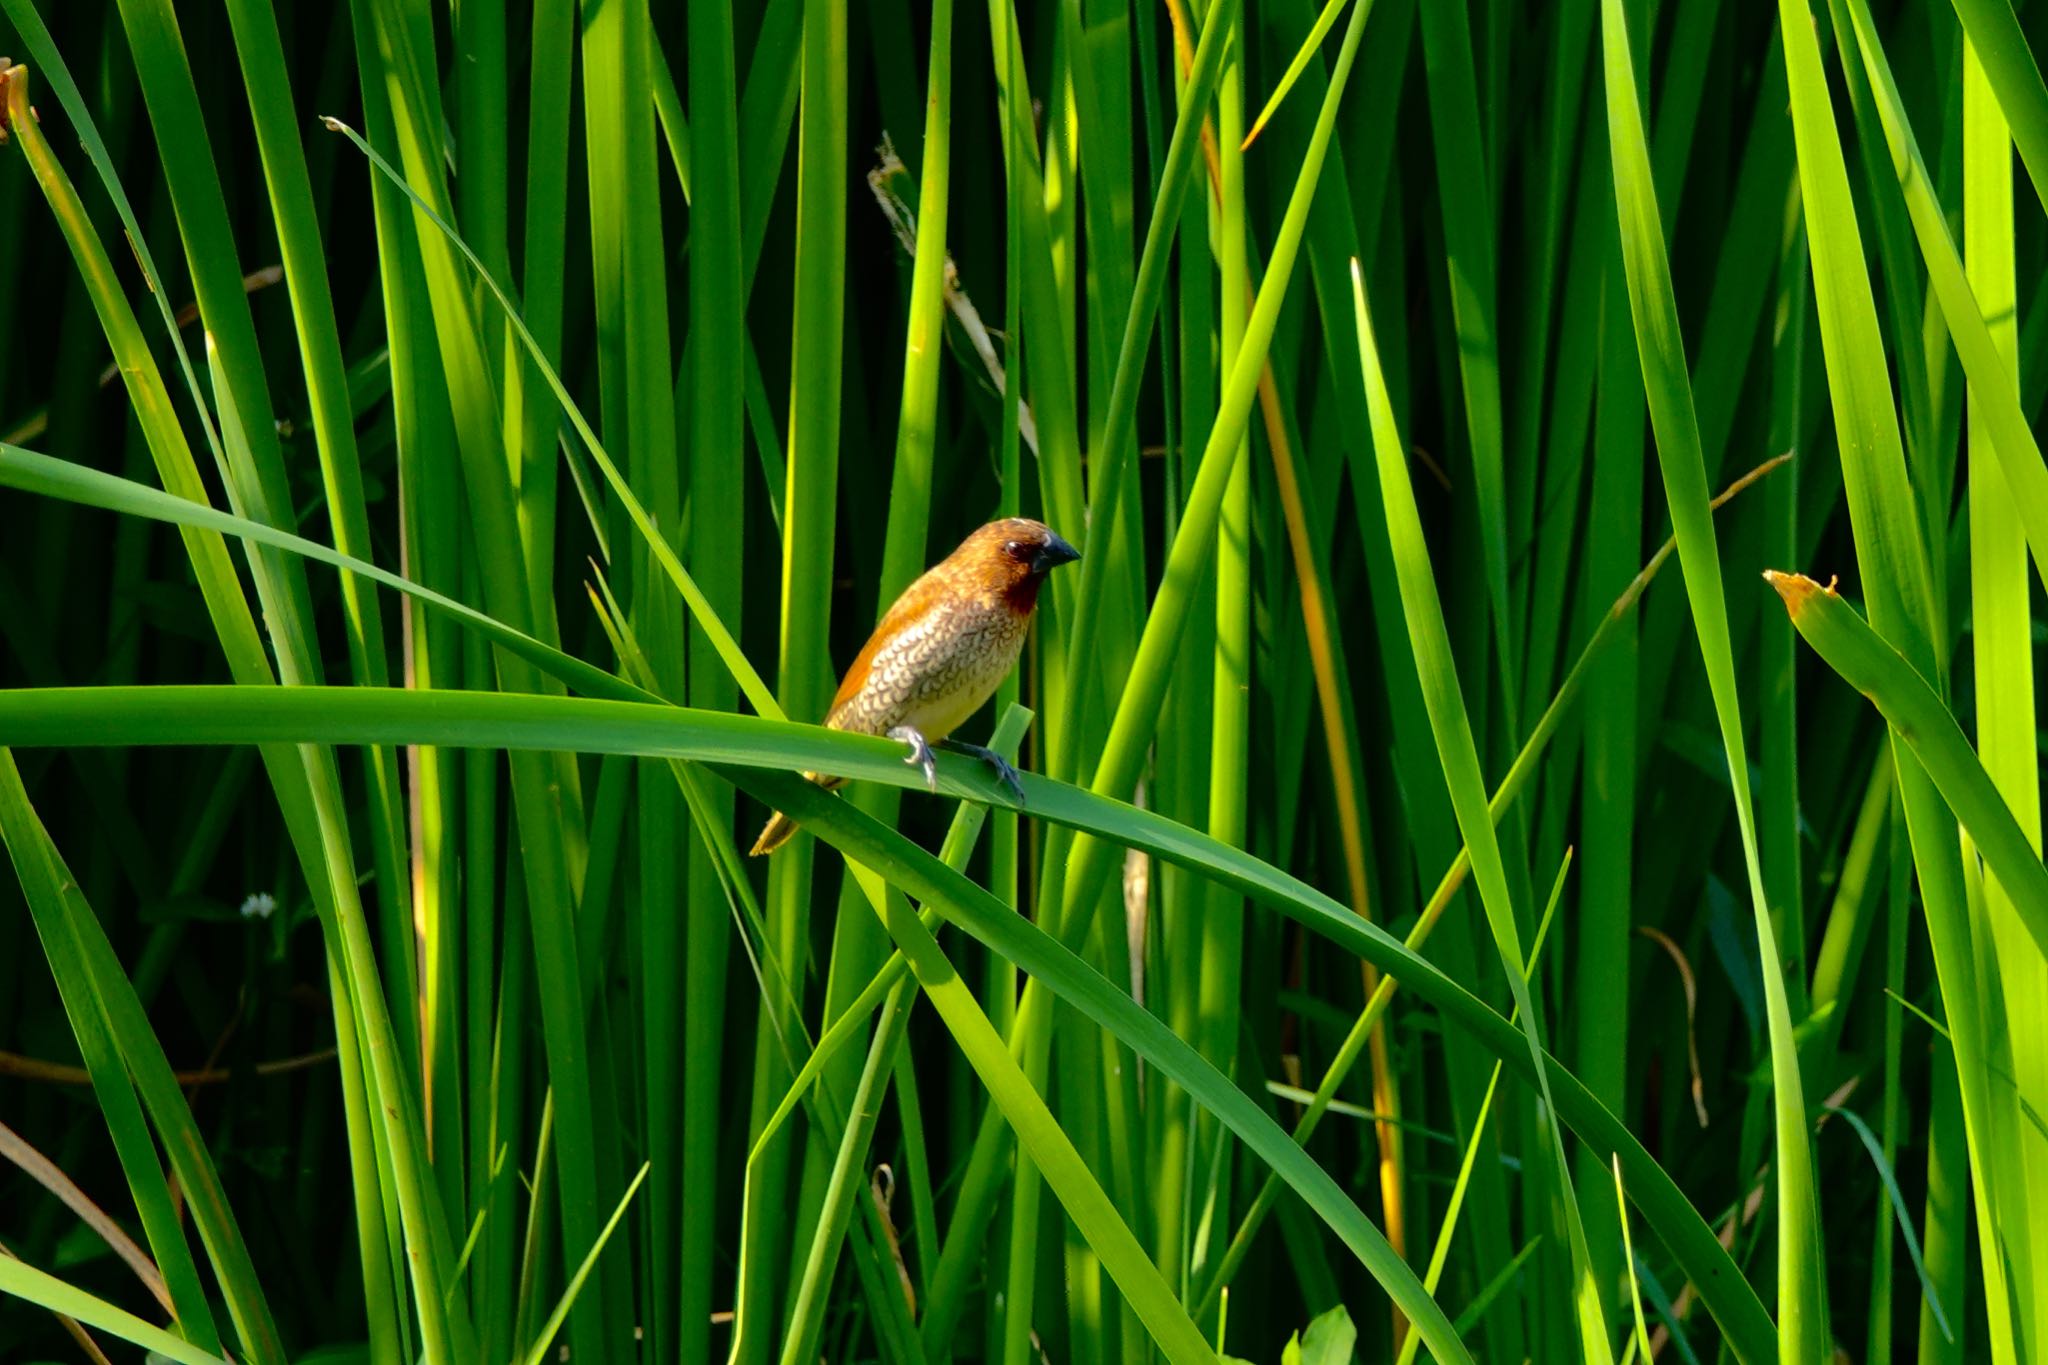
(1012, 556)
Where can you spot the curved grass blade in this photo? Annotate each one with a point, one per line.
(25, 1282)
(51, 477)
(1899, 1211)
(230, 715)
(1037, 953)
(1846, 642)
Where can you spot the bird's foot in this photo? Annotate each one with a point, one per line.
(920, 753)
(1005, 771)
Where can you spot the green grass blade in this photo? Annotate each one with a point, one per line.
(553, 1325)
(1325, 21)
(700, 607)
(1994, 384)
(1114, 451)
(1873, 667)
(717, 383)
(1463, 186)
(1453, 731)
(54, 903)
(26, 470)
(1439, 1252)
(1995, 37)
(1036, 952)
(33, 1286)
(1639, 1345)
(1802, 1289)
(1898, 1204)
(202, 715)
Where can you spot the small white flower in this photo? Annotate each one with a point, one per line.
(259, 906)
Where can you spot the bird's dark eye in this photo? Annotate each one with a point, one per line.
(1017, 549)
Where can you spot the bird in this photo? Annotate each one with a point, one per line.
(941, 650)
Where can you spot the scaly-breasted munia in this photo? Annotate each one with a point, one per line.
(942, 650)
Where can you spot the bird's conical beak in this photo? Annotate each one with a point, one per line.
(1054, 553)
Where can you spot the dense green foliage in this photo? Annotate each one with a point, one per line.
(1458, 907)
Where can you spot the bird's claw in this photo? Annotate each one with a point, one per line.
(920, 754)
(1005, 771)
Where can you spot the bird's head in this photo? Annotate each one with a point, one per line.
(1013, 556)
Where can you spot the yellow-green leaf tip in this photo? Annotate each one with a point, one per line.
(9, 74)
(1795, 588)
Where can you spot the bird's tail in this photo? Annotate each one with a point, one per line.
(779, 827)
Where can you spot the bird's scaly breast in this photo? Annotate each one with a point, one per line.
(938, 670)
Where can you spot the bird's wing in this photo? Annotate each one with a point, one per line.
(917, 599)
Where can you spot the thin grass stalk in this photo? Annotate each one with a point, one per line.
(1332, 683)
(1221, 937)
(430, 551)
(1898, 873)
(1608, 800)
(1163, 926)
(544, 252)
(807, 563)
(2001, 641)
(1778, 833)
(1565, 93)
(967, 1232)
(716, 332)
(1857, 884)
